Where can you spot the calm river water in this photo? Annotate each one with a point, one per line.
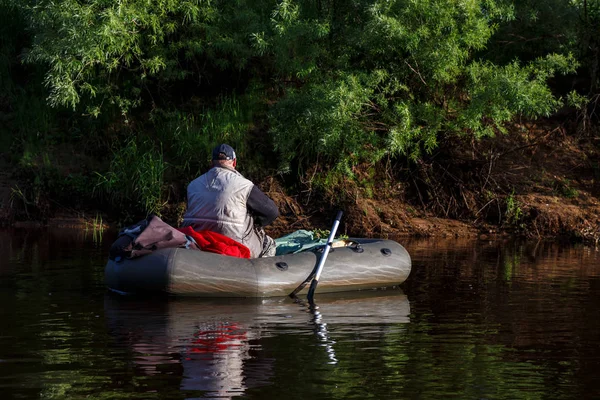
(475, 320)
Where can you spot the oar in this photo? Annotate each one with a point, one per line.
(316, 273)
(315, 281)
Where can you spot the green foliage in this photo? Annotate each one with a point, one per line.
(294, 38)
(324, 120)
(24, 114)
(45, 186)
(513, 214)
(188, 138)
(319, 234)
(122, 54)
(564, 188)
(553, 26)
(322, 86)
(97, 226)
(135, 177)
(376, 77)
(499, 93)
(576, 100)
(538, 28)
(405, 73)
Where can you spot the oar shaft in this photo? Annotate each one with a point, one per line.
(315, 281)
(328, 245)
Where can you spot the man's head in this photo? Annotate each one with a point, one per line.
(224, 155)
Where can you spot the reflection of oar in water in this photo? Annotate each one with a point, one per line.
(316, 274)
(320, 329)
(323, 334)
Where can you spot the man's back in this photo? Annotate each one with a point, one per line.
(217, 202)
(223, 201)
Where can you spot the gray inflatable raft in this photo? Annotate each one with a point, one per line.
(366, 264)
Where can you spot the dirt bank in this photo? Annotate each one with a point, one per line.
(540, 180)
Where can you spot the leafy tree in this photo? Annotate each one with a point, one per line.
(126, 53)
(415, 77)
(328, 82)
(554, 26)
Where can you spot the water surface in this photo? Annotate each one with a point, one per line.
(475, 320)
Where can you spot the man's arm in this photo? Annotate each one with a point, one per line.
(263, 209)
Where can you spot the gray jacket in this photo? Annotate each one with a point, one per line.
(216, 201)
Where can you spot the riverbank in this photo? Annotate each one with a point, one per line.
(540, 180)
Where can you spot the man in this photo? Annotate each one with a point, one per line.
(223, 201)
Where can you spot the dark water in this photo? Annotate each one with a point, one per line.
(475, 320)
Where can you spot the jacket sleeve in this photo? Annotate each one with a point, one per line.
(263, 209)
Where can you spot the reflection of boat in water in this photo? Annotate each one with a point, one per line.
(367, 264)
(212, 339)
(181, 314)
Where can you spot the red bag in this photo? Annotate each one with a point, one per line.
(217, 243)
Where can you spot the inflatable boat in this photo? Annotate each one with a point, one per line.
(363, 264)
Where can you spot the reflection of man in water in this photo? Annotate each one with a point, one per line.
(215, 359)
(210, 355)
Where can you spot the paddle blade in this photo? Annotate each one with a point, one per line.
(311, 291)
